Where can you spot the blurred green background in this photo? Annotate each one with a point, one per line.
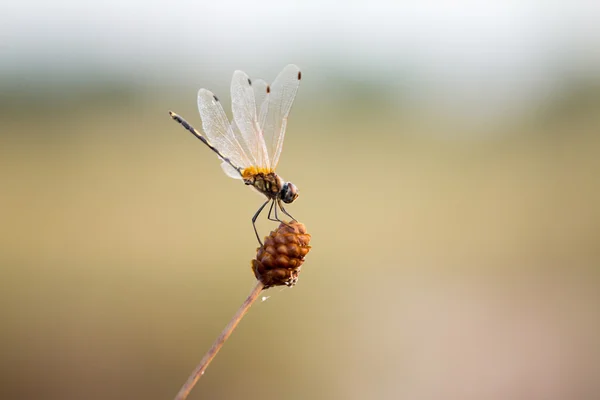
(448, 161)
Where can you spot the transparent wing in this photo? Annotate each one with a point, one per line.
(261, 94)
(219, 132)
(280, 100)
(230, 171)
(243, 105)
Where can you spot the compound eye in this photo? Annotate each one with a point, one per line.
(289, 192)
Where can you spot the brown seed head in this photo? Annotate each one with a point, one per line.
(279, 260)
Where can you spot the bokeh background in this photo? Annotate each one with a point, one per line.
(448, 158)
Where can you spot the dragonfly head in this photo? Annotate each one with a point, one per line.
(289, 192)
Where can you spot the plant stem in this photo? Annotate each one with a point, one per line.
(214, 349)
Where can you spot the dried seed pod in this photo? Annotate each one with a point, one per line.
(279, 259)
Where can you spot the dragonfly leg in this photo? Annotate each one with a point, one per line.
(270, 211)
(254, 220)
(285, 212)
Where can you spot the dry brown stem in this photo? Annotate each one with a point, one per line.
(214, 349)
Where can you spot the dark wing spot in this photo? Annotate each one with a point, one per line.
(268, 89)
(299, 75)
(215, 97)
(249, 82)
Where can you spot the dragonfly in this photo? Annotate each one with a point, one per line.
(250, 146)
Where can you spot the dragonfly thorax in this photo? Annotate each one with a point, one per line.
(271, 185)
(267, 183)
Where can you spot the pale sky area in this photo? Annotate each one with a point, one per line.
(506, 48)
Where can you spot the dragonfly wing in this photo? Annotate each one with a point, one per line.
(261, 94)
(230, 171)
(280, 100)
(218, 130)
(243, 105)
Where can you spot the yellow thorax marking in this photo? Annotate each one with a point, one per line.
(252, 171)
